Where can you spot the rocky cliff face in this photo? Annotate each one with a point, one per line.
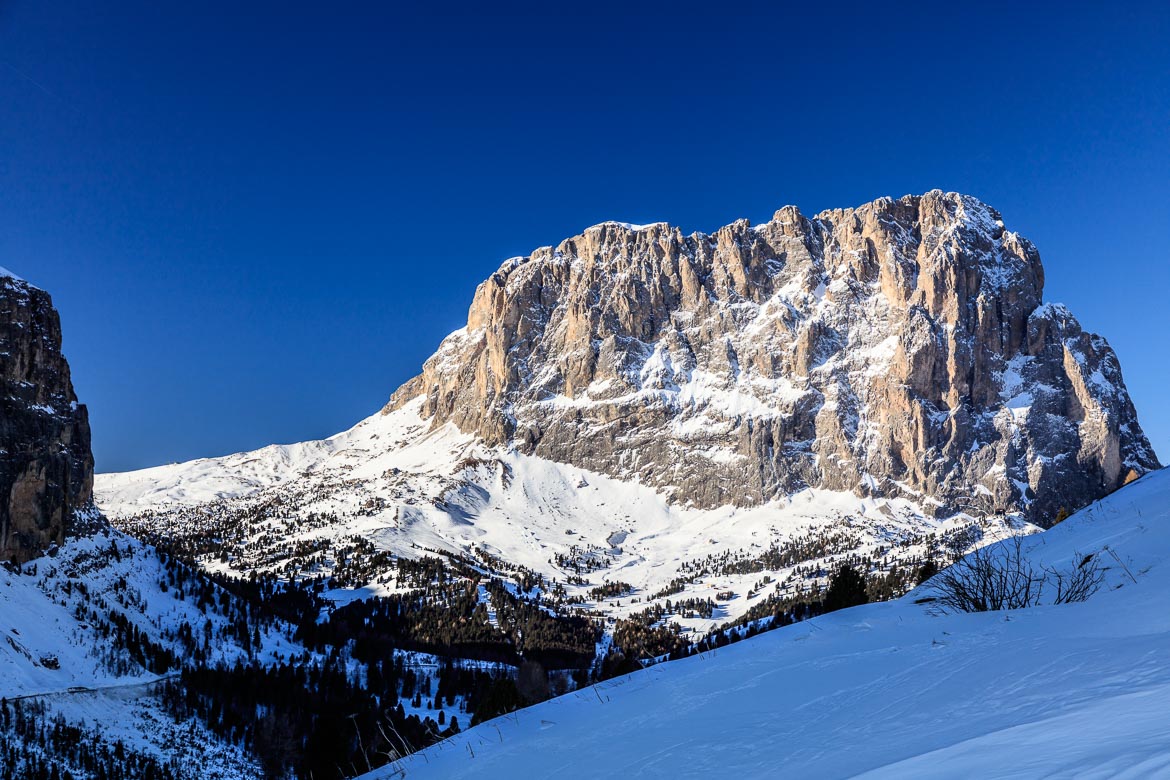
(46, 468)
(896, 349)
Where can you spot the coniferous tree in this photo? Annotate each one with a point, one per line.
(926, 571)
(846, 589)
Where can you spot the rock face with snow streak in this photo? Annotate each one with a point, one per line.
(46, 467)
(896, 349)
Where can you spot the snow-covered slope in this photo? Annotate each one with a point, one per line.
(888, 690)
(407, 488)
(82, 632)
(57, 608)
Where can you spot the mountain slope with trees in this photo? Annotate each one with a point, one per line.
(909, 688)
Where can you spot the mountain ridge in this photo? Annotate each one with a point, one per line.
(864, 349)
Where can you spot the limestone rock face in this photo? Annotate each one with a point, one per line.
(46, 467)
(896, 349)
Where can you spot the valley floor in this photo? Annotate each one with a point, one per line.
(887, 690)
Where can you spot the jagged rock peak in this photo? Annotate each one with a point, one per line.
(896, 348)
(46, 467)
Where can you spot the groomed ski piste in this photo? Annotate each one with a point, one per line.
(890, 690)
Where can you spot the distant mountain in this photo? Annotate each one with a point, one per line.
(898, 349)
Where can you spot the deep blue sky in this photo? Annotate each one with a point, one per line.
(256, 222)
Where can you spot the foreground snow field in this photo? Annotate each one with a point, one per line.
(888, 690)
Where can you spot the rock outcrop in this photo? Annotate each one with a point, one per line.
(46, 467)
(901, 348)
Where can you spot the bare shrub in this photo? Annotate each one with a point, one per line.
(1078, 584)
(999, 577)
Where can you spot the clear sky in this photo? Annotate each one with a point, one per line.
(257, 221)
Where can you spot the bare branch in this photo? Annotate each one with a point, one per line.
(999, 577)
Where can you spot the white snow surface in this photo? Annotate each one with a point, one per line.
(441, 489)
(887, 690)
(39, 618)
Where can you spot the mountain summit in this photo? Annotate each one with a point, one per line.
(897, 349)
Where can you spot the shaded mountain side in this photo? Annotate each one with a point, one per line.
(46, 467)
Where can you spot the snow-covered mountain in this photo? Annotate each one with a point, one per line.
(895, 690)
(645, 445)
(898, 349)
(669, 416)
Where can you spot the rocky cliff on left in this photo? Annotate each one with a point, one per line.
(46, 466)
